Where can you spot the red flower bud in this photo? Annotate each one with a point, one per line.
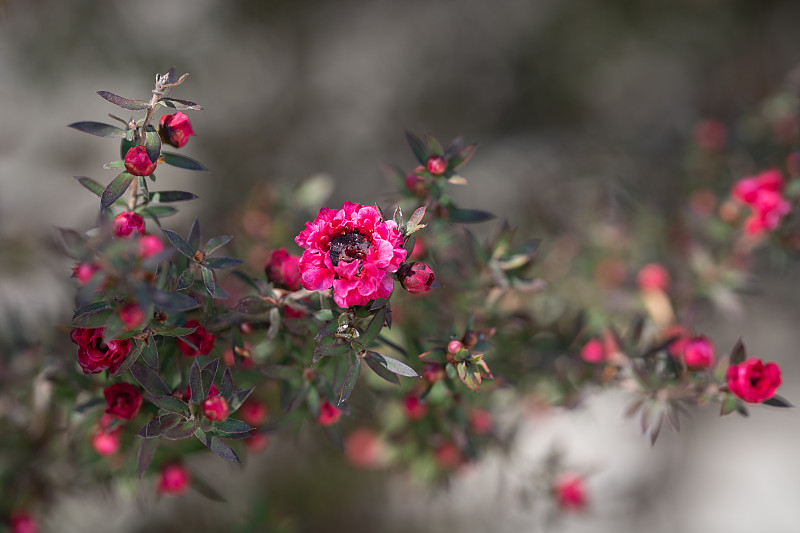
(653, 277)
(698, 352)
(416, 278)
(216, 408)
(150, 245)
(433, 373)
(329, 414)
(126, 223)
(83, 272)
(753, 381)
(203, 340)
(453, 347)
(123, 399)
(174, 479)
(22, 522)
(175, 129)
(570, 492)
(363, 448)
(107, 442)
(138, 163)
(416, 183)
(132, 316)
(253, 412)
(414, 408)
(593, 351)
(437, 165)
(283, 269)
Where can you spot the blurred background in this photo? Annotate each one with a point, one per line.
(568, 99)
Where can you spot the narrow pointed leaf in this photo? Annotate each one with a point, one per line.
(374, 327)
(115, 189)
(181, 105)
(217, 242)
(98, 128)
(194, 234)
(172, 196)
(350, 381)
(416, 218)
(208, 373)
(148, 379)
(176, 301)
(171, 404)
(328, 329)
(381, 370)
(233, 426)
(145, 455)
(179, 243)
(392, 365)
(216, 445)
(91, 185)
(222, 262)
(252, 305)
(418, 147)
(274, 323)
(777, 401)
(186, 279)
(153, 145)
(226, 384)
(205, 489)
(468, 216)
(159, 425)
(738, 353)
(125, 103)
(181, 161)
(173, 331)
(208, 280)
(181, 431)
(196, 384)
(150, 354)
(130, 359)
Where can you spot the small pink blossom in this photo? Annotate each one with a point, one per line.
(150, 245)
(132, 316)
(436, 165)
(138, 163)
(416, 278)
(174, 479)
(481, 421)
(283, 269)
(202, 340)
(253, 412)
(175, 129)
(22, 522)
(653, 277)
(698, 352)
(764, 195)
(128, 223)
(570, 492)
(414, 408)
(84, 272)
(753, 381)
(216, 408)
(329, 414)
(353, 250)
(593, 351)
(363, 448)
(107, 442)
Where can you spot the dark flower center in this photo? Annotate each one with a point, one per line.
(348, 247)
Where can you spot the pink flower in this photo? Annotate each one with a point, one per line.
(107, 442)
(680, 337)
(150, 245)
(448, 456)
(416, 278)
(138, 163)
(433, 373)
(132, 316)
(125, 224)
(593, 351)
(175, 129)
(753, 381)
(174, 479)
(84, 272)
(352, 250)
(414, 408)
(203, 340)
(253, 412)
(22, 522)
(763, 193)
(416, 183)
(653, 277)
(256, 442)
(329, 414)
(570, 492)
(216, 408)
(187, 394)
(123, 399)
(481, 421)
(453, 347)
(436, 165)
(698, 352)
(95, 354)
(363, 449)
(283, 269)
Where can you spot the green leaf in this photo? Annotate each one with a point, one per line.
(208, 279)
(172, 196)
(196, 384)
(777, 401)
(416, 218)
(157, 426)
(233, 426)
(98, 128)
(186, 279)
(145, 455)
(130, 359)
(90, 405)
(381, 370)
(728, 405)
(194, 234)
(115, 189)
(157, 211)
(468, 216)
(171, 404)
(180, 244)
(463, 156)
(350, 381)
(328, 329)
(181, 105)
(148, 379)
(434, 145)
(216, 445)
(252, 305)
(153, 145)
(124, 147)
(173, 331)
(90, 309)
(222, 262)
(208, 373)
(374, 327)
(125, 103)
(181, 161)
(217, 242)
(239, 397)
(175, 301)
(418, 147)
(181, 431)
(437, 355)
(226, 383)
(91, 185)
(150, 354)
(392, 365)
(114, 164)
(324, 315)
(738, 354)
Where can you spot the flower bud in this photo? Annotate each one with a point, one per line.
(253, 412)
(106, 443)
(150, 245)
(414, 408)
(131, 316)
(569, 491)
(448, 456)
(174, 479)
(453, 347)
(257, 442)
(123, 399)
(83, 272)
(22, 522)
(436, 165)
(126, 223)
(470, 339)
(216, 408)
(593, 351)
(363, 448)
(653, 277)
(480, 421)
(175, 129)
(433, 373)
(329, 414)
(138, 163)
(416, 183)
(698, 352)
(283, 269)
(416, 278)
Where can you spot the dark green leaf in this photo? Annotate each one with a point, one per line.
(777, 401)
(208, 280)
(98, 128)
(186, 279)
(194, 235)
(328, 329)
(418, 147)
(181, 161)
(463, 156)
(171, 404)
(179, 243)
(434, 145)
(216, 445)
(182, 431)
(330, 350)
(157, 211)
(392, 365)
(274, 323)
(148, 379)
(350, 380)
(381, 370)
(729, 404)
(89, 405)
(374, 327)
(150, 354)
(172, 196)
(125, 103)
(205, 489)
(147, 450)
(159, 425)
(90, 309)
(153, 145)
(124, 147)
(217, 242)
(239, 398)
(208, 373)
(115, 189)
(91, 185)
(173, 300)
(114, 164)
(130, 359)
(233, 426)
(222, 262)
(468, 216)
(252, 305)
(294, 401)
(738, 353)
(173, 331)
(196, 384)
(182, 105)
(226, 384)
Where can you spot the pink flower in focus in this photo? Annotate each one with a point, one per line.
(125, 224)
(570, 492)
(174, 479)
(352, 250)
(653, 277)
(203, 340)
(150, 245)
(22, 522)
(123, 399)
(753, 381)
(175, 129)
(283, 269)
(216, 408)
(593, 351)
(363, 448)
(698, 352)
(329, 414)
(416, 278)
(138, 163)
(95, 354)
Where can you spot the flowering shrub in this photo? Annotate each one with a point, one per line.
(199, 351)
